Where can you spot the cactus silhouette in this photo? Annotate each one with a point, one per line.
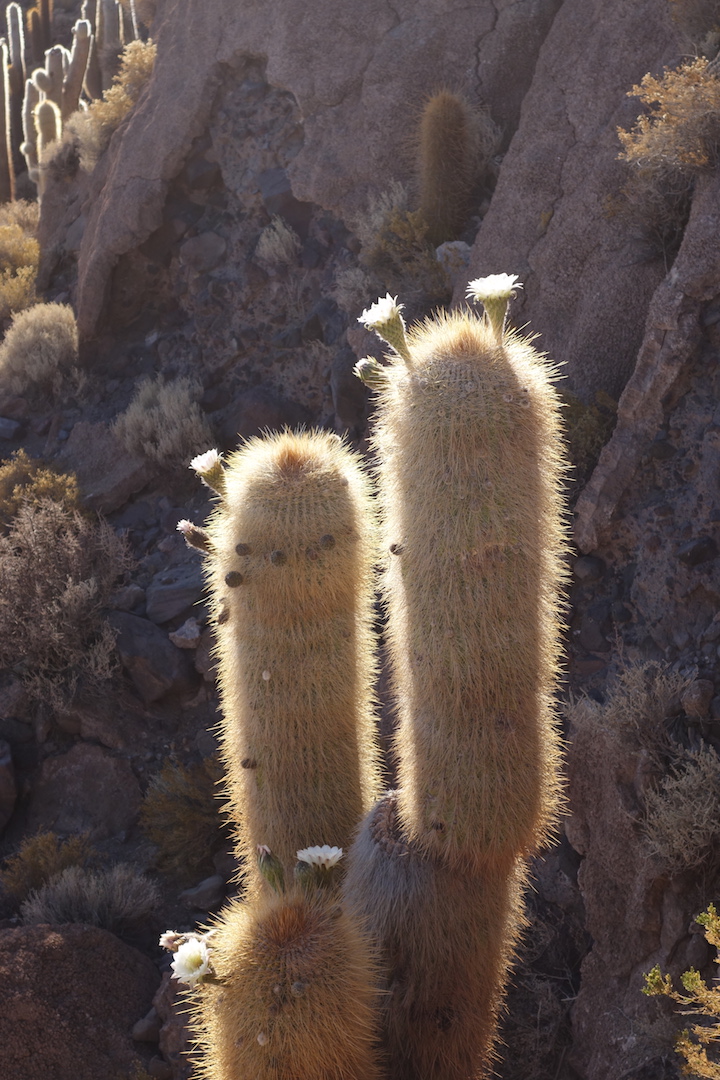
(447, 163)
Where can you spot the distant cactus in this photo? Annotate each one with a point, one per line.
(16, 81)
(290, 570)
(453, 139)
(7, 173)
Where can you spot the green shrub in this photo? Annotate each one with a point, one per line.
(180, 815)
(698, 1044)
(57, 572)
(41, 858)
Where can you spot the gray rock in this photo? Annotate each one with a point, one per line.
(188, 635)
(257, 410)
(173, 591)
(204, 252)
(148, 1029)
(108, 475)
(207, 896)
(8, 428)
(349, 394)
(154, 664)
(127, 598)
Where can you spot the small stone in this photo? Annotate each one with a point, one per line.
(207, 896)
(188, 635)
(204, 252)
(159, 1069)
(169, 594)
(127, 598)
(588, 568)
(147, 1029)
(697, 698)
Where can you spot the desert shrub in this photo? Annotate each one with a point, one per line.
(57, 571)
(19, 257)
(381, 207)
(403, 260)
(278, 247)
(698, 1045)
(119, 899)
(682, 814)
(640, 708)
(180, 815)
(22, 213)
(40, 349)
(696, 18)
(164, 422)
(352, 289)
(41, 858)
(26, 480)
(675, 140)
(93, 127)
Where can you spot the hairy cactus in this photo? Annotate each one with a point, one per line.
(290, 570)
(295, 993)
(7, 173)
(448, 165)
(16, 81)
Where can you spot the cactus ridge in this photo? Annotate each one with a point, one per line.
(291, 578)
(470, 467)
(298, 983)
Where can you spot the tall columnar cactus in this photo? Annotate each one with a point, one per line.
(295, 999)
(447, 163)
(16, 80)
(291, 550)
(7, 173)
(470, 465)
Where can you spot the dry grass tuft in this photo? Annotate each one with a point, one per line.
(671, 144)
(181, 816)
(119, 899)
(26, 480)
(93, 128)
(57, 572)
(164, 422)
(40, 349)
(278, 247)
(40, 859)
(682, 814)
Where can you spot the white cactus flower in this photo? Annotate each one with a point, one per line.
(385, 318)
(205, 463)
(192, 962)
(324, 856)
(494, 293)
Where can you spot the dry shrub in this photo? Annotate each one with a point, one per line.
(671, 144)
(119, 899)
(403, 260)
(40, 349)
(380, 208)
(22, 213)
(682, 814)
(26, 480)
(57, 572)
(164, 422)
(41, 858)
(93, 128)
(640, 708)
(278, 247)
(19, 256)
(696, 18)
(353, 290)
(181, 816)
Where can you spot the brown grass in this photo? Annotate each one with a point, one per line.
(164, 423)
(682, 815)
(41, 858)
(119, 899)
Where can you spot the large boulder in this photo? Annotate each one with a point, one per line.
(71, 995)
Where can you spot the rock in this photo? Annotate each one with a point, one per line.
(697, 698)
(347, 95)
(207, 896)
(258, 410)
(161, 1070)
(173, 591)
(129, 597)
(13, 698)
(147, 1029)
(278, 199)
(107, 473)
(204, 252)
(8, 428)
(87, 789)
(8, 789)
(454, 257)
(698, 551)
(588, 568)
(154, 664)
(188, 635)
(175, 1038)
(349, 394)
(70, 997)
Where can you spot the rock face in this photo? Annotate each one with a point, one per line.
(357, 96)
(71, 995)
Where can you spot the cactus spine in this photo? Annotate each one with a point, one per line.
(296, 993)
(292, 550)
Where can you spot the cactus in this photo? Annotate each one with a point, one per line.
(290, 571)
(16, 81)
(7, 173)
(448, 165)
(295, 993)
(470, 466)
(31, 101)
(38, 22)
